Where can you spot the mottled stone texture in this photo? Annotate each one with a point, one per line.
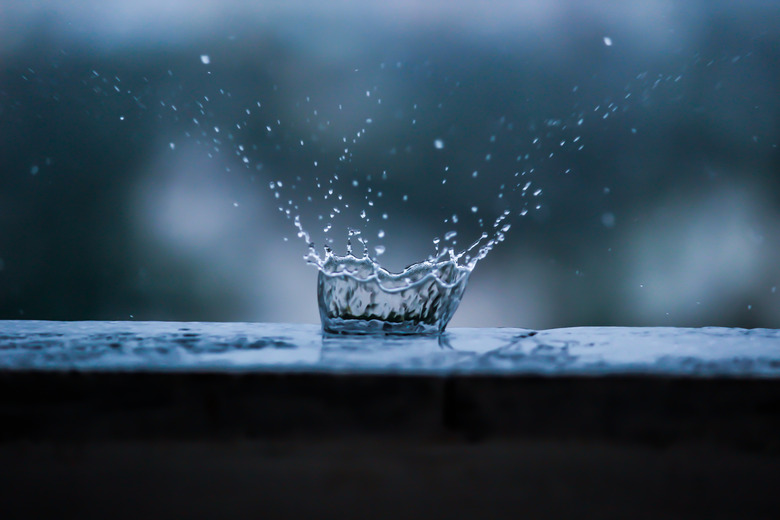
(293, 348)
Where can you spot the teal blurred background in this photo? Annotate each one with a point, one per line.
(139, 139)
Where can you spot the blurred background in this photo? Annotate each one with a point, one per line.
(153, 156)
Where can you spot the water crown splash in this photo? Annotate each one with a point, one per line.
(323, 145)
(356, 294)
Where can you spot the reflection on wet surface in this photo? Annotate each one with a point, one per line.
(171, 346)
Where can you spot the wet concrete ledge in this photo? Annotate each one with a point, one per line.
(125, 380)
(176, 420)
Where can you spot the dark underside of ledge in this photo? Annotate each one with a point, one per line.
(206, 445)
(741, 413)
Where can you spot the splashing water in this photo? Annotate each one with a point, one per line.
(323, 145)
(358, 296)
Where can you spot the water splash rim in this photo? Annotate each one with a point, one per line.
(457, 266)
(447, 273)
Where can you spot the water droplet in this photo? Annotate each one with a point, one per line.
(381, 233)
(475, 174)
(34, 169)
(380, 250)
(607, 41)
(450, 235)
(438, 144)
(205, 59)
(172, 145)
(474, 209)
